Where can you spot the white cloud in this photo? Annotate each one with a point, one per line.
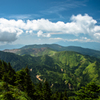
(48, 35)
(41, 34)
(30, 31)
(44, 28)
(58, 38)
(10, 30)
(26, 31)
(82, 39)
(97, 35)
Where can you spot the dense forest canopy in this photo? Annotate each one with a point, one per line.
(19, 86)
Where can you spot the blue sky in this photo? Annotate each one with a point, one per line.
(49, 21)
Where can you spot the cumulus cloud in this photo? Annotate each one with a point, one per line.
(7, 37)
(41, 34)
(10, 30)
(79, 25)
(44, 28)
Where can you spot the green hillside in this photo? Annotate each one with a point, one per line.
(66, 72)
(66, 68)
(16, 61)
(63, 70)
(18, 86)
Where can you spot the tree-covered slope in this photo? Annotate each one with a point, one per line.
(17, 62)
(63, 70)
(68, 70)
(84, 51)
(13, 85)
(81, 69)
(19, 86)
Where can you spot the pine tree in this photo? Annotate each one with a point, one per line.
(20, 79)
(46, 91)
(38, 92)
(29, 86)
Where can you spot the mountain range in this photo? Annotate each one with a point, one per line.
(49, 49)
(63, 67)
(89, 45)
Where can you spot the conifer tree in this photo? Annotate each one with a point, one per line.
(38, 92)
(46, 91)
(29, 86)
(20, 79)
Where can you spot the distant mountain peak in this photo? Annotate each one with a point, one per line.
(49, 49)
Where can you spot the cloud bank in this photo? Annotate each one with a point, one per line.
(10, 30)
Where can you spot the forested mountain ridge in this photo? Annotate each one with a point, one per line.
(50, 49)
(16, 61)
(63, 70)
